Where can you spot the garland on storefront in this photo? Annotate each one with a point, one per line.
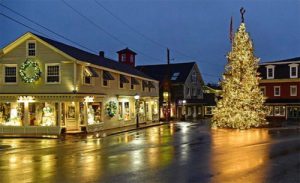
(36, 71)
(111, 108)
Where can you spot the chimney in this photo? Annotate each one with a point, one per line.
(101, 53)
(127, 56)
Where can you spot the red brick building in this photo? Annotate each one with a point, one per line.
(281, 85)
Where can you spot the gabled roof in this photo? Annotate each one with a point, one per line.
(282, 61)
(81, 55)
(159, 72)
(126, 50)
(92, 58)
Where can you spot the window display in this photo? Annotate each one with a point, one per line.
(126, 111)
(120, 110)
(48, 114)
(11, 114)
(94, 113)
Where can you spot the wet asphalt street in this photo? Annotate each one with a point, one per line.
(179, 152)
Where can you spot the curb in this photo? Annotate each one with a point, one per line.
(133, 129)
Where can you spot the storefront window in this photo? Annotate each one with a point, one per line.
(81, 113)
(94, 113)
(126, 111)
(62, 115)
(142, 108)
(120, 110)
(11, 114)
(48, 111)
(270, 110)
(279, 110)
(154, 108)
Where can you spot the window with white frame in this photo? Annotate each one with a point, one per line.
(194, 77)
(87, 78)
(123, 57)
(276, 90)
(131, 58)
(10, 74)
(31, 48)
(279, 110)
(263, 90)
(270, 110)
(293, 70)
(52, 73)
(293, 90)
(270, 71)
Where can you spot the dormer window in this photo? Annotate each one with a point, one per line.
(31, 48)
(293, 70)
(270, 71)
(131, 58)
(123, 57)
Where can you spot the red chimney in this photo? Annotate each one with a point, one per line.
(127, 56)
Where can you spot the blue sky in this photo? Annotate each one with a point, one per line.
(195, 30)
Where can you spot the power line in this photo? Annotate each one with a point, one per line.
(12, 19)
(16, 21)
(136, 31)
(36, 23)
(103, 30)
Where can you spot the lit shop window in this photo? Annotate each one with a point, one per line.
(270, 110)
(94, 113)
(120, 110)
(155, 108)
(11, 114)
(126, 111)
(279, 110)
(43, 114)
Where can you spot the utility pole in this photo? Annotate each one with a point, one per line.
(168, 86)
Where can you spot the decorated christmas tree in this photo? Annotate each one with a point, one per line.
(241, 103)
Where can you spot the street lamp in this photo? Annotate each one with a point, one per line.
(137, 97)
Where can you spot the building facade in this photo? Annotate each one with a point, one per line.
(47, 87)
(180, 84)
(281, 85)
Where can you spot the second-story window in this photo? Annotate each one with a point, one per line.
(52, 74)
(31, 48)
(293, 70)
(10, 74)
(270, 71)
(276, 90)
(188, 91)
(131, 58)
(194, 77)
(105, 82)
(263, 90)
(293, 90)
(123, 57)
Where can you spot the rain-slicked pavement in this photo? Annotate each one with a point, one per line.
(179, 152)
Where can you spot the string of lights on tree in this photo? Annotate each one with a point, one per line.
(241, 104)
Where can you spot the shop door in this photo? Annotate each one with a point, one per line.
(71, 122)
(293, 112)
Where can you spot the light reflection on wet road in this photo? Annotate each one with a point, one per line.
(181, 152)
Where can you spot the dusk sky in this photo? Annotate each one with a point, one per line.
(194, 30)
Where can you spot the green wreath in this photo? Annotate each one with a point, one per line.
(111, 108)
(30, 71)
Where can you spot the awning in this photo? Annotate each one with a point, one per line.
(107, 76)
(134, 81)
(150, 84)
(123, 79)
(91, 71)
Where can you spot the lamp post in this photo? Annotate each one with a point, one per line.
(137, 97)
